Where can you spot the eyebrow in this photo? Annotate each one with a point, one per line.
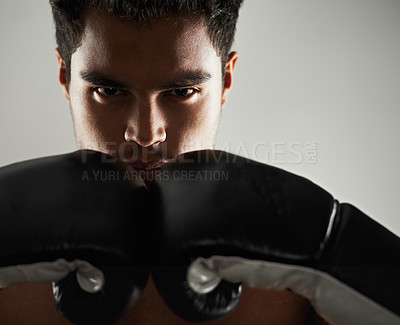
(98, 78)
(185, 79)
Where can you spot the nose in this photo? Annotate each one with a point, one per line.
(146, 123)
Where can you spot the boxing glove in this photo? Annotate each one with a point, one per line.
(225, 220)
(75, 221)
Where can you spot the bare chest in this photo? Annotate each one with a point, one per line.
(33, 304)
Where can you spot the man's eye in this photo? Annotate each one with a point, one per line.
(182, 92)
(109, 91)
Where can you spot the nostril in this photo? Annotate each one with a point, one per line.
(146, 123)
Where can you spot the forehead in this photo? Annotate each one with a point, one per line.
(169, 45)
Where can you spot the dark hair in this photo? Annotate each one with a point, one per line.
(220, 17)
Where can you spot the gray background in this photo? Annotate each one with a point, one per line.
(319, 72)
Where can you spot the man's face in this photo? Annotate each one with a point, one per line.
(145, 93)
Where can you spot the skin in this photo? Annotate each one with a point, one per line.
(146, 94)
(30, 304)
(166, 92)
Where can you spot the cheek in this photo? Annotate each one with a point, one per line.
(195, 128)
(208, 115)
(95, 126)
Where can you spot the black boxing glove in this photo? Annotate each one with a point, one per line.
(227, 219)
(73, 220)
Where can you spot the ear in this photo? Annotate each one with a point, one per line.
(62, 74)
(228, 81)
